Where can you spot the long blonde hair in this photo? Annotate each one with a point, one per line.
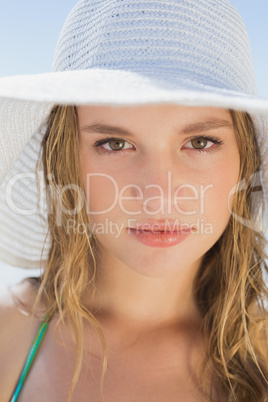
(229, 287)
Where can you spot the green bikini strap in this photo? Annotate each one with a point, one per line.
(31, 355)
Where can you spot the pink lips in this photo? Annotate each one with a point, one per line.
(156, 235)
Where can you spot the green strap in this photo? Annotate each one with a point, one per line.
(31, 355)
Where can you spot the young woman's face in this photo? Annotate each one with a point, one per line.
(167, 170)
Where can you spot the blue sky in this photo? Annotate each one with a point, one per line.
(29, 30)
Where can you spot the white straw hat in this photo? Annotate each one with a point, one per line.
(120, 52)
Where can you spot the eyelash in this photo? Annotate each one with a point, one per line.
(214, 140)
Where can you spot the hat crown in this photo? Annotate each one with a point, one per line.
(201, 41)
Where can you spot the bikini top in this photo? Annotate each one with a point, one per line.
(31, 355)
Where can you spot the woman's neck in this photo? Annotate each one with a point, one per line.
(142, 301)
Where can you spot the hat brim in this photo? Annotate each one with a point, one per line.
(116, 87)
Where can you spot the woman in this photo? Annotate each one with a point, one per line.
(153, 284)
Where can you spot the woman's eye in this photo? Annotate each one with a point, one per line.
(111, 145)
(202, 143)
(116, 145)
(198, 143)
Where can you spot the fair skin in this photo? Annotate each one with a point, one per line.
(144, 300)
(132, 274)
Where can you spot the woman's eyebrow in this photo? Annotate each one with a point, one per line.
(106, 129)
(206, 125)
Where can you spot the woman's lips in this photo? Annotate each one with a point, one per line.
(160, 238)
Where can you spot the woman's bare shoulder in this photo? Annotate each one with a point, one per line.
(17, 332)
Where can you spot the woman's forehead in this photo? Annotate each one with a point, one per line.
(153, 119)
(156, 111)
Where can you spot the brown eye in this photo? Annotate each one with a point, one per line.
(199, 143)
(116, 145)
(111, 145)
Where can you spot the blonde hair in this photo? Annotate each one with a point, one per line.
(229, 287)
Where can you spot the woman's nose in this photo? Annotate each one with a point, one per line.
(160, 184)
